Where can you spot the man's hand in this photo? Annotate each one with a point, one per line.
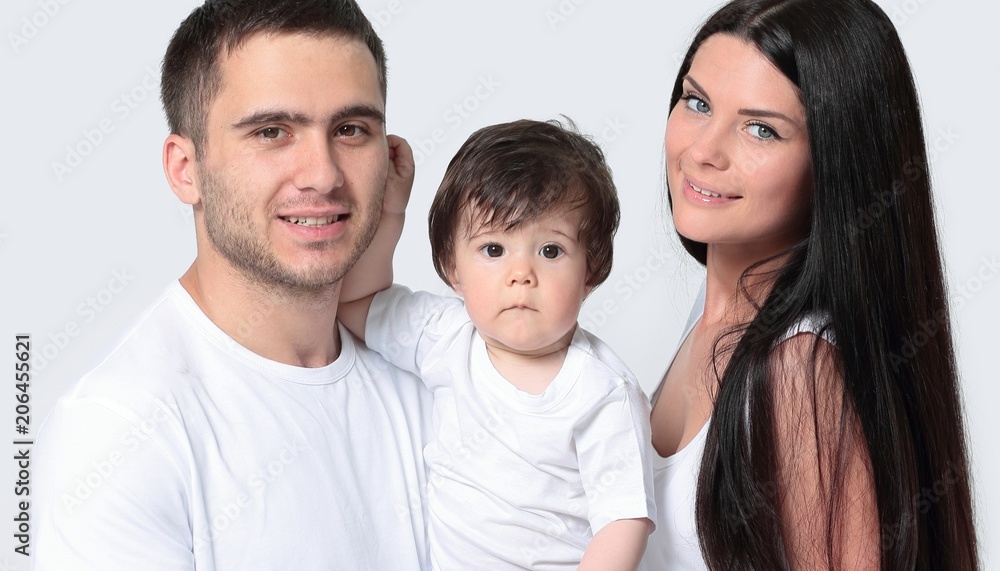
(400, 181)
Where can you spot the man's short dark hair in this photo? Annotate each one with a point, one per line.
(191, 76)
(508, 174)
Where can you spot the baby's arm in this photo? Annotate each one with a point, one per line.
(614, 449)
(618, 546)
(373, 271)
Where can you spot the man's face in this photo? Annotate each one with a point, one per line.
(296, 160)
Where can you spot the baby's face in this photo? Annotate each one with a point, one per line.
(523, 288)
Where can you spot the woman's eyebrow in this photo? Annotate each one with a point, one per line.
(745, 111)
(766, 113)
(691, 80)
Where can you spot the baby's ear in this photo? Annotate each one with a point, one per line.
(588, 286)
(456, 286)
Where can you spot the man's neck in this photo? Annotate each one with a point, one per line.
(295, 328)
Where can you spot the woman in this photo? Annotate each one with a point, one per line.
(797, 426)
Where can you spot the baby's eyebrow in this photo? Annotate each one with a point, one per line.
(573, 237)
(481, 230)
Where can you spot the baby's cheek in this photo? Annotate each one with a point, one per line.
(479, 314)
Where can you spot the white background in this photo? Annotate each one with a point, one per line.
(607, 65)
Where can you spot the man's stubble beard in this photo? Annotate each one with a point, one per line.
(231, 230)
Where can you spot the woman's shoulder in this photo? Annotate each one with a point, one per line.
(814, 323)
(805, 358)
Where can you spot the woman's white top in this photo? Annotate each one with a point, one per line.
(674, 545)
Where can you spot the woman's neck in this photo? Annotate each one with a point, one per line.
(731, 295)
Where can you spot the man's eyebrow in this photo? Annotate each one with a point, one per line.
(268, 116)
(276, 116)
(365, 111)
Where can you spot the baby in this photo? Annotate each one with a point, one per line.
(541, 452)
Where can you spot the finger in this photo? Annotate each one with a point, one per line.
(401, 155)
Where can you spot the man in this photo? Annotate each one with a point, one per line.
(237, 425)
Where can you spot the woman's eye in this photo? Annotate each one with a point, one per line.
(762, 131)
(493, 250)
(271, 133)
(696, 104)
(550, 251)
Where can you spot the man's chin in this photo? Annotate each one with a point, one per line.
(306, 282)
(289, 279)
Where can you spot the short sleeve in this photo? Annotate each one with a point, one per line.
(614, 450)
(408, 328)
(108, 497)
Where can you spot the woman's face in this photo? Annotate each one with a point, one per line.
(737, 152)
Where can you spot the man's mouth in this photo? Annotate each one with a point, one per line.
(315, 222)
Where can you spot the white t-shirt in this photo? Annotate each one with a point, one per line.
(185, 450)
(674, 545)
(517, 480)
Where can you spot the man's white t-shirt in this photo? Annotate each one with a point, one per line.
(184, 450)
(517, 480)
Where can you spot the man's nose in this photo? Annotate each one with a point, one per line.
(318, 165)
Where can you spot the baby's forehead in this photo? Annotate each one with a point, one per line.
(562, 218)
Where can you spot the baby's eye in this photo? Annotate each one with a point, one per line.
(550, 251)
(492, 250)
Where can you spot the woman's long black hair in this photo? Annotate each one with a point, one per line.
(871, 264)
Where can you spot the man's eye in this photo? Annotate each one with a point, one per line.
(550, 251)
(349, 131)
(271, 132)
(493, 250)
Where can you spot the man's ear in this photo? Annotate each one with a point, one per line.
(179, 165)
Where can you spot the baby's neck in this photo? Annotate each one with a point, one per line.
(530, 373)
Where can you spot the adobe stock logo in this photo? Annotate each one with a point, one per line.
(121, 108)
(901, 13)
(563, 12)
(32, 25)
(87, 310)
(455, 116)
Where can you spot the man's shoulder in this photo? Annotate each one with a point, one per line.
(151, 357)
(371, 367)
